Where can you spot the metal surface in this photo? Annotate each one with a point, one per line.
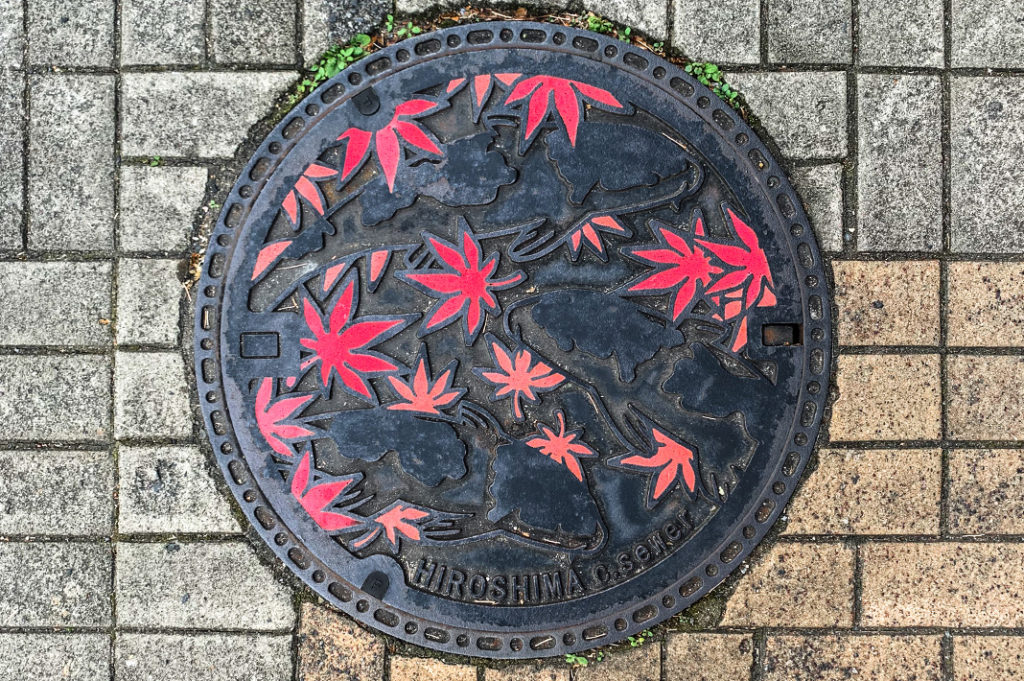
(513, 340)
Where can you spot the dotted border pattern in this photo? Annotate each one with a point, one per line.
(602, 630)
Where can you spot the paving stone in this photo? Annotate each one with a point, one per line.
(79, 33)
(54, 584)
(942, 585)
(636, 664)
(987, 658)
(708, 657)
(529, 672)
(316, 30)
(986, 491)
(149, 296)
(205, 585)
(810, 31)
(12, 36)
(870, 492)
(194, 114)
(887, 397)
(985, 401)
(796, 585)
(71, 163)
(838, 658)
(987, 202)
(899, 171)
(61, 397)
(157, 207)
(821, 188)
(55, 657)
(720, 32)
(888, 302)
(12, 88)
(900, 34)
(203, 657)
(169, 489)
(345, 18)
(805, 112)
(56, 492)
(986, 304)
(332, 646)
(988, 33)
(151, 396)
(162, 32)
(55, 303)
(649, 17)
(426, 669)
(252, 33)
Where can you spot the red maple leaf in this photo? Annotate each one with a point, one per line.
(341, 343)
(387, 142)
(465, 287)
(680, 268)
(751, 271)
(399, 520)
(271, 417)
(566, 95)
(321, 496)
(307, 188)
(481, 86)
(423, 395)
(673, 461)
(563, 447)
(519, 377)
(589, 234)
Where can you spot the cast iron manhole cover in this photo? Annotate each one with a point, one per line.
(513, 340)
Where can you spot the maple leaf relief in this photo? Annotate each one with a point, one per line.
(519, 377)
(465, 285)
(542, 92)
(672, 464)
(398, 521)
(562, 447)
(272, 416)
(424, 395)
(387, 142)
(341, 342)
(319, 497)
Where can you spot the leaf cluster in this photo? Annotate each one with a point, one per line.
(710, 75)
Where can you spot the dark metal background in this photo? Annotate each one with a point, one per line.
(644, 599)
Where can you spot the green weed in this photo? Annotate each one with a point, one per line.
(710, 75)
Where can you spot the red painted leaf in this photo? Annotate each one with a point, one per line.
(343, 347)
(672, 460)
(562, 447)
(519, 376)
(271, 417)
(465, 286)
(267, 255)
(319, 497)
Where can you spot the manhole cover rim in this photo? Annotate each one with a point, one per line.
(442, 636)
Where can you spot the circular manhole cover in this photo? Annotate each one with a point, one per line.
(512, 340)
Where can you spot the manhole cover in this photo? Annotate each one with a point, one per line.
(513, 340)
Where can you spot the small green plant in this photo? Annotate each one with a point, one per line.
(576, 660)
(155, 161)
(640, 639)
(599, 24)
(389, 24)
(710, 75)
(213, 205)
(408, 30)
(336, 58)
(658, 47)
(624, 34)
